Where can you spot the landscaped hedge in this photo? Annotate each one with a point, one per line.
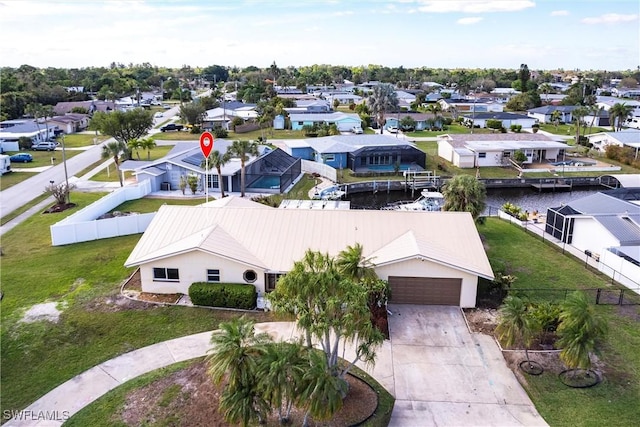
(229, 295)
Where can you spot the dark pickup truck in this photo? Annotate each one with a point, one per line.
(171, 126)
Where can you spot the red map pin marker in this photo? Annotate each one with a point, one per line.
(206, 143)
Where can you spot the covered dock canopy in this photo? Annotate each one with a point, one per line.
(621, 180)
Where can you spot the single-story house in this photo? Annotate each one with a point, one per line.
(344, 98)
(605, 227)
(507, 119)
(223, 115)
(545, 114)
(427, 259)
(11, 131)
(609, 101)
(479, 150)
(62, 108)
(70, 123)
(468, 106)
(624, 138)
(345, 122)
(310, 106)
(272, 171)
(359, 153)
(424, 121)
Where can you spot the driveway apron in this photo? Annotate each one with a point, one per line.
(445, 376)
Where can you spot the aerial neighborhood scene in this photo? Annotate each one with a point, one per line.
(323, 213)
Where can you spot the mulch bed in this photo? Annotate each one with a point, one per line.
(59, 208)
(189, 398)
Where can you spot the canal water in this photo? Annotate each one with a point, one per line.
(526, 198)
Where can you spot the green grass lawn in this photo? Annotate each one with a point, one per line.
(108, 174)
(85, 278)
(76, 140)
(176, 136)
(451, 129)
(13, 178)
(541, 265)
(570, 130)
(43, 158)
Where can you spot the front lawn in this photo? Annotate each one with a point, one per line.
(453, 128)
(77, 140)
(12, 178)
(541, 265)
(43, 158)
(570, 130)
(96, 324)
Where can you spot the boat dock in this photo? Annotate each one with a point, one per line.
(553, 184)
(418, 180)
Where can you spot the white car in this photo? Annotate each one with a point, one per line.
(158, 115)
(392, 129)
(357, 130)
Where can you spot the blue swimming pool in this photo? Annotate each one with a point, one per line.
(389, 168)
(267, 181)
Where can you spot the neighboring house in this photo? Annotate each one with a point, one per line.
(273, 171)
(310, 106)
(279, 122)
(545, 114)
(609, 101)
(466, 106)
(424, 121)
(62, 108)
(345, 122)
(433, 258)
(70, 123)
(480, 150)
(12, 130)
(359, 153)
(222, 116)
(507, 119)
(604, 227)
(624, 138)
(344, 98)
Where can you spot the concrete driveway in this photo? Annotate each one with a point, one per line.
(442, 375)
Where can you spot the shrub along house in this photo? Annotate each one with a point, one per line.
(427, 259)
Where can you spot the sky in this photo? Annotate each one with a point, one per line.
(544, 34)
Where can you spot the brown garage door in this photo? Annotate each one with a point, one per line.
(424, 290)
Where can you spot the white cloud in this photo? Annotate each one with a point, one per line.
(475, 6)
(560, 13)
(610, 18)
(469, 21)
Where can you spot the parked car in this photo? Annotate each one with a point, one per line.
(21, 158)
(158, 115)
(171, 126)
(392, 129)
(357, 130)
(44, 146)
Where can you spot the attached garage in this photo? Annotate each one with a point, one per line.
(425, 290)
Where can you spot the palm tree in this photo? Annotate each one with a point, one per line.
(113, 150)
(595, 110)
(436, 110)
(578, 114)
(217, 160)
(47, 111)
(242, 150)
(352, 263)
(383, 99)
(618, 114)
(545, 88)
(234, 356)
(580, 329)
(464, 193)
(516, 325)
(323, 392)
(147, 144)
(280, 371)
(134, 145)
(555, 118)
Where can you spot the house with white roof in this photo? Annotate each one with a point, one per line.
(545, 114)
(222, 116)
(609, 101)
(344, 121)
(480, 150)
(480, 119)
(606, 227)
(12, 130)
(624, 138)
(427, 259)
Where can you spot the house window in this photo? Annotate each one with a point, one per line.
(330, 158)
(166, 274)
(482, 155)
(213, 275)
(250, 276)
(506, 154)
(213, 181)
(270, 281)
(301, 123)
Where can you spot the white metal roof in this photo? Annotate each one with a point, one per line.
(275, 238)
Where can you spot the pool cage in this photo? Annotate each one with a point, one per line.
(559, 223)
(384, 159)
(274, 172)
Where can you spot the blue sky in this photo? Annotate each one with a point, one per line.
(545, 34)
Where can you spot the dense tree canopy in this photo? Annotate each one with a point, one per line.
(123, 125)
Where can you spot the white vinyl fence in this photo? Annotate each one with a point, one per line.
(321, 169)
(83, 226)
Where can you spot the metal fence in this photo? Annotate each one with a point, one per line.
(600, 296)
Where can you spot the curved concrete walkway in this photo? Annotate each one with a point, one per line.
(440, 373)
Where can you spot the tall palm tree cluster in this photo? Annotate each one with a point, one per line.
(383, 99)
(618, 114)
(329, 298)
